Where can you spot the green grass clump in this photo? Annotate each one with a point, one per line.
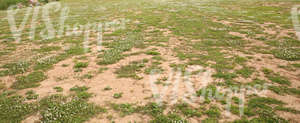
(263, 106)
(29, 81)
(213, 112)
(130, 71)
(80, 65)
(31, 95)
(80, 92)
(124, 109)
(57, 109)
(276, 77)
(169, 118)
(58, 89)
(296, 65)
(246, 72)
(14, 68)
(13, 109)
(110, 56)
(153, 68)
(288, 54)
(281, 90)
(107, 88)
(118, 95)
(150, 52)
(188, 111)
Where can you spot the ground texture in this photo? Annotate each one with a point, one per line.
(223, 43)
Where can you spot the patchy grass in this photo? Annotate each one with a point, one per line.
(57, 108)
(14, 68)
(131, 70)
(29, 81)
(14, 108)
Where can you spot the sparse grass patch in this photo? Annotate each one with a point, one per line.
(14, 109)
(130, 71)
(289, 54)
(29, 81)
(102, 69)
(58, 89)
(276, 77)
(246, 72)
(80, 92)
(296, 65)
(57, 108)
(80, 65)
(124, 109)
(31, 95)
(14, 68)
(188, 111)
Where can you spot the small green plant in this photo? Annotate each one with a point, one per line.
(117, 95)
(150, 52)
(58, 89)
(107, 88)
(81, 65)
